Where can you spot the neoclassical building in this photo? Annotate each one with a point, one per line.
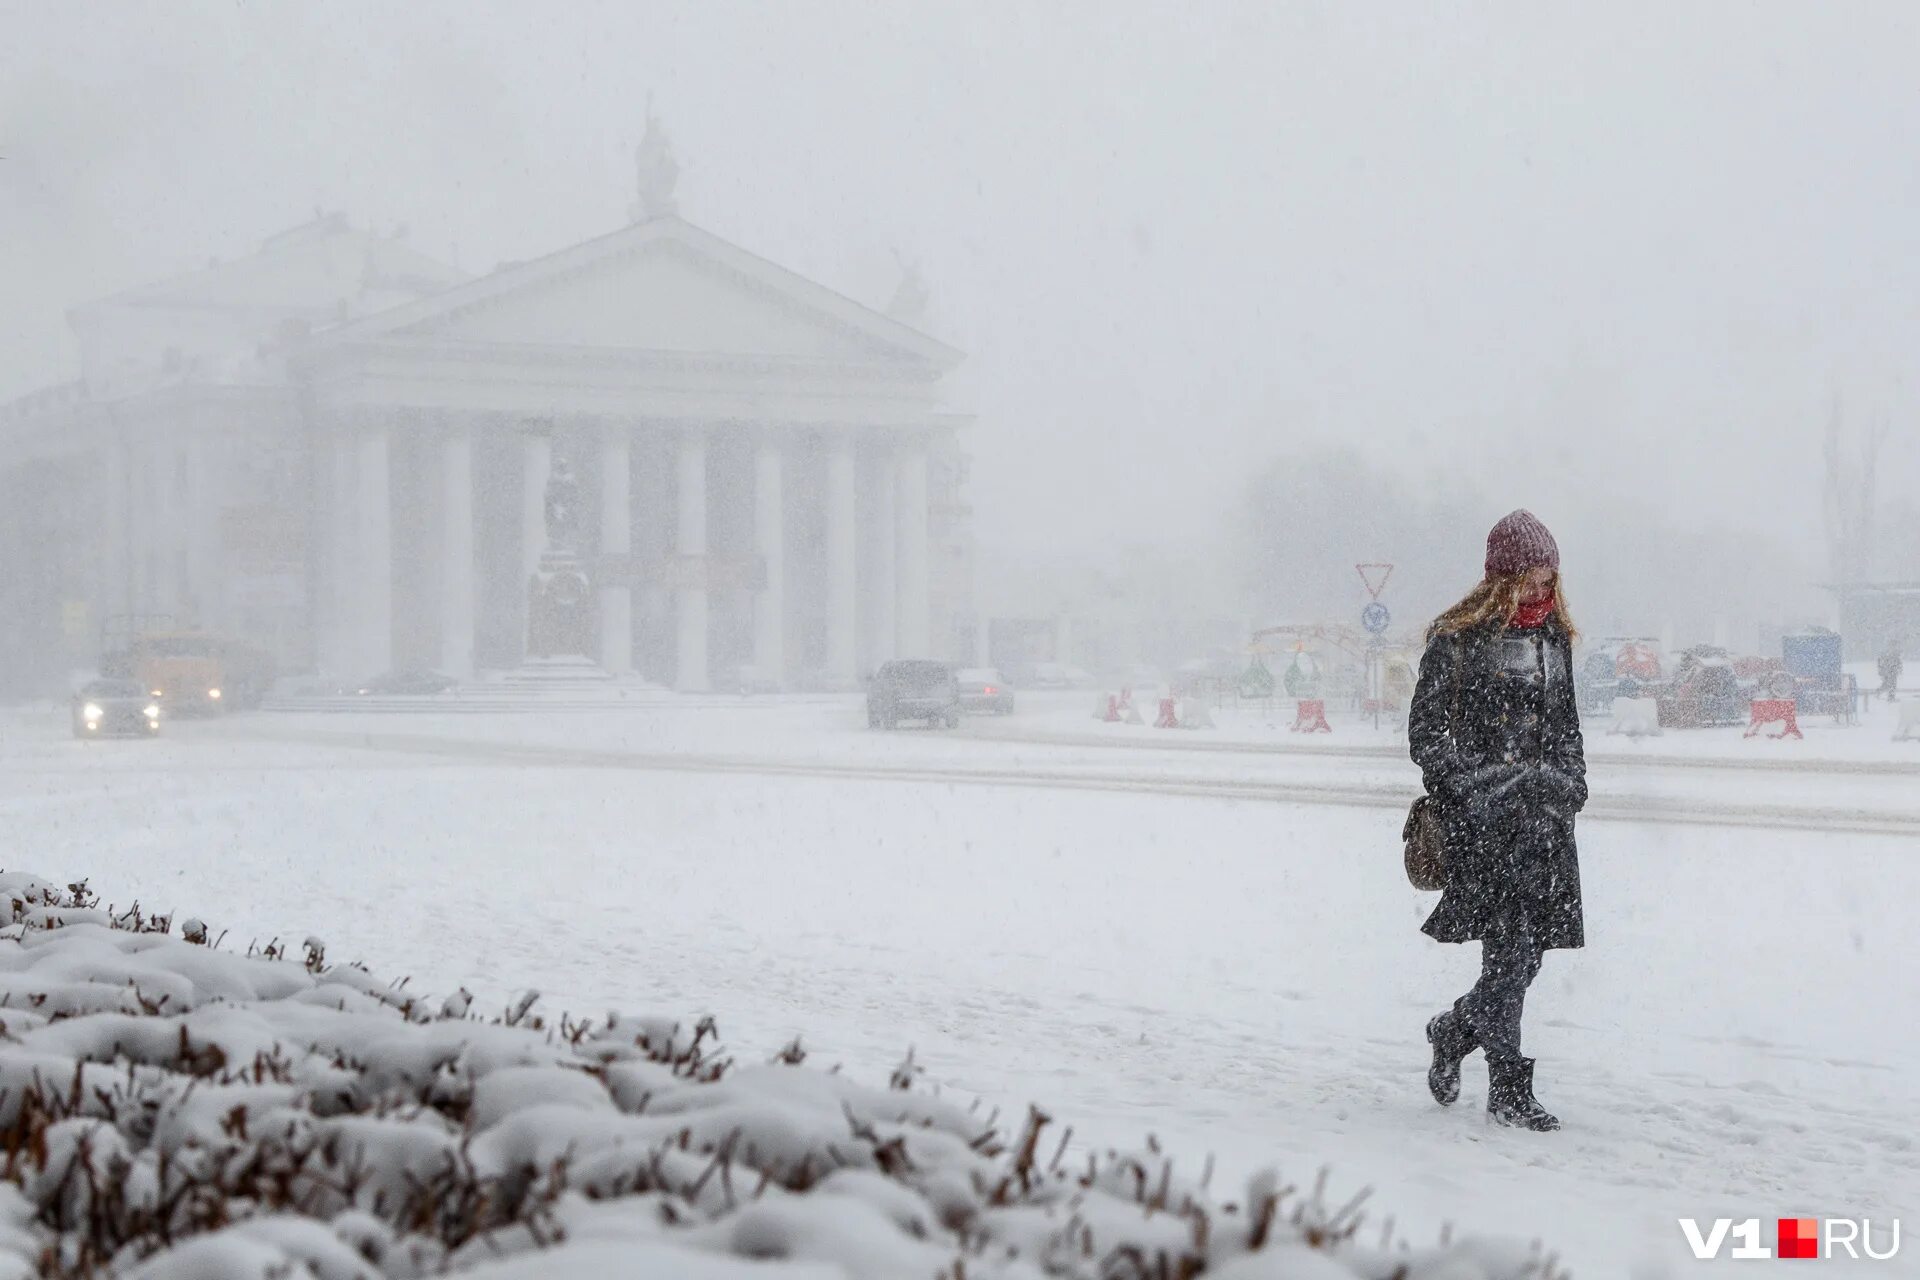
(368, 460)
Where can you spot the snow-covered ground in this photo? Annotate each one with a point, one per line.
(1159, 940)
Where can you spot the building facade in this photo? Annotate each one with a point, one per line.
(365, 460)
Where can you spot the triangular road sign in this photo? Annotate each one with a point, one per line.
(1374, 577)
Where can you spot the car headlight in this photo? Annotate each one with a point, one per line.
(153, 712)
(91, 711)
(156, 693)
(214, 694)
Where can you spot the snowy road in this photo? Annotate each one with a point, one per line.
(1829, 797)
(1171, 942)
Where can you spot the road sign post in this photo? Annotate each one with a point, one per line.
(1376, 618)
(1373, 576)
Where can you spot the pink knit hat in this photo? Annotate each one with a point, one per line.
(1519, 543)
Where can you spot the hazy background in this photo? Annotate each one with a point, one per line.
(1612, 262)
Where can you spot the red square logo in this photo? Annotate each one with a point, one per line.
(1799, 1238)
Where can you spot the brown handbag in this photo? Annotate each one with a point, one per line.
(1425, 837)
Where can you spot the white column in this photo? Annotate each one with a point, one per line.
(375, 586)
(843, 606)
(536, 467)
(114, 588)
(691, 551)
(338, 618)
(913, 572)
(457, 572)
(140, 518)
(166, 529)
(769, 540)
(616, 541)
(882, 621)
(536, 451)
(200, 527)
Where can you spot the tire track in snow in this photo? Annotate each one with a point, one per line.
(1393, 796)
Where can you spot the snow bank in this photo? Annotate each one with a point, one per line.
(172, 1111)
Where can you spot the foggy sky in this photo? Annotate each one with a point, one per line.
(1569, 250)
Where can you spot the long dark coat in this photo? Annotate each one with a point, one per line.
(1495, 730)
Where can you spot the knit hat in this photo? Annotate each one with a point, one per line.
(1519, 543)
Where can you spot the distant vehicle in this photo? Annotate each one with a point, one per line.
(1704, 691)
(1821, 685)
(183, 670)
(1045, 675)
(984, 691)
(1596, 682)
(408, 683)
(1617, 667)
(190, 671)
(913, 689)
(115, 709)
(1060, 675)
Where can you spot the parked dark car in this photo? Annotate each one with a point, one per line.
(984, 691)
(913, 689)
(115, 709)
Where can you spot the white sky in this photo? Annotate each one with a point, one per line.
(1572, 249)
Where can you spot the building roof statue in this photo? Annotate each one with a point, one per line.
(657, 172)
(912, 296)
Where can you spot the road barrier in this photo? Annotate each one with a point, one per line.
(1311, 717)
(1772, 711)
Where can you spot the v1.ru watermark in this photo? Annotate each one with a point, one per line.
(1793, 1238)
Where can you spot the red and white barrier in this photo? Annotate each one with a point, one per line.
(1312, 716)
(1768, 712)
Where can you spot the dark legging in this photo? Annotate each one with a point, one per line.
(1494, 1006)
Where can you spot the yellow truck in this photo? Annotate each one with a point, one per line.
(183, 669)
(194, 672)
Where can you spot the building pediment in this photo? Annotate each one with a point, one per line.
(659, 286)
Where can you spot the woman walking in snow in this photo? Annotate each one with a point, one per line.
(1495, 730)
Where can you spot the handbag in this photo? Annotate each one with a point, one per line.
(1424, 835)
(1425, 840)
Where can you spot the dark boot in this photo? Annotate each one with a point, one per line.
(1510, 1099)
(1452, 1040)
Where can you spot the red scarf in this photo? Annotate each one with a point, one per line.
(1530, 615)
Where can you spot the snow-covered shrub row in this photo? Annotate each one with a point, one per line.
(173, 1111)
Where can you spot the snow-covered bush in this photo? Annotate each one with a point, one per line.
(173, 1111)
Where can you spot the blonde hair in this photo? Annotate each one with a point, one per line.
(1497, 600)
